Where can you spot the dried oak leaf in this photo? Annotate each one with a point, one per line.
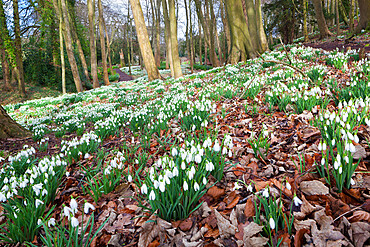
(314, 187)
(151, 229)
(225, 227)
(298, 238)
(326, 234)
(249, 208)
(250, 231)
(216, 192)
(360, 216)
(360, 233)
(306, 209)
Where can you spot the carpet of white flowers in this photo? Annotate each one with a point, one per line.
(274, 151)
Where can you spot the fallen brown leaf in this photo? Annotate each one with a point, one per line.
(359, 216)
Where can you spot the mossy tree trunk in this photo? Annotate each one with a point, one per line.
(364, 23)
(9, 128)
(93, 59)
(324, 31)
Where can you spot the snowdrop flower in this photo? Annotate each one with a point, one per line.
(204, 180)
(2, 197)
(250, 188)
(186, 187)
(209, 166)
(38, 203)
(144, 189)
(346, 159)
(73, 204)
(340, 170)
(39, 222)
(352, 148)
(336, 165)
(174, 152)
(51, 222)
(356, 139)
(265, 193)
(297, 201)
(287, 185)
(87, 207)
(333, 142)
(352, 182)
(44, 192)
(162, 186)
(236, 186)
(196, 186)
(216, 147)
(224, 150)
(152, 195)
(37, 188)
(74, 222)
(272, 223)
(129, 178)
(230, 154)
(67, 174)
(175, 172)
(183, 166)
(198, 158)
(87, 155)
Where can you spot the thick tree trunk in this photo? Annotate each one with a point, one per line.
(215, 32)
(351, 15)
(241, 46)
(102, 44)
(18, 50)
(212, 33)
(324, 31)
(226, 30)
(200, 42)
(174, 42)
(142, 34)
(364, 23)
(157, 51)
(93, 59)
(168, 37)
(191, 40)
(9, 128)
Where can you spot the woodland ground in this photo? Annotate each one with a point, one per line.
(325, 217)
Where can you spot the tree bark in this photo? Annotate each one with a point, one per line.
(324, 31)
(62, 62)
(241, 46)
(305, 32)
(364, 23)
(226, 30)
(102, 44)
(18, 50)
(62, 11)
(9, 128)
(168, 37)
(337, 16)
(260, 29)
(174, 42)
(142, 34)
(212, 33)
(191, 40)
(5, 66)
(351, 15)
(93, 59)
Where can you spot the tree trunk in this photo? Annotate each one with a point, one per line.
(168, 37)
(5, 66)
(142, 35)
(191, 41)
(337, 16)
(241, 46)
(102, 44)
(226, 30)
(9, 128)
(260, 29)
(212, 33)
(324, 31)
(351, 15)
(93, 59)
(18, 50)
(174, 42)
(200, 42)
(205, 28)
(364, 23)
(157, 50)
(62, 11)
(214, 24)
(305, 32)
(108, 49)
(62, 62)
(187, 30)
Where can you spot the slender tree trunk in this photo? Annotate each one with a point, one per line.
(351, 15)
(226, 29)
(5, 66)
(260, 29)
(205, 27)
(324, 31)
(142, 34)
(129, 43)
(18, 50)
(168, 37)
(337, 16)
(191, 41)
(214, 24)
(241, 46)
(9, 128)
(174, 42)
(108, 49)
(69, 48)
(102, 44)
(343, 12)
(305, 33)
(157, 50)
(200, 42)
(187, 30)
(213, 33)
(62, 62)
(364, 22)
(93, 59)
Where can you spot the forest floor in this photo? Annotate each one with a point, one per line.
(278, 119)
(123, 76)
